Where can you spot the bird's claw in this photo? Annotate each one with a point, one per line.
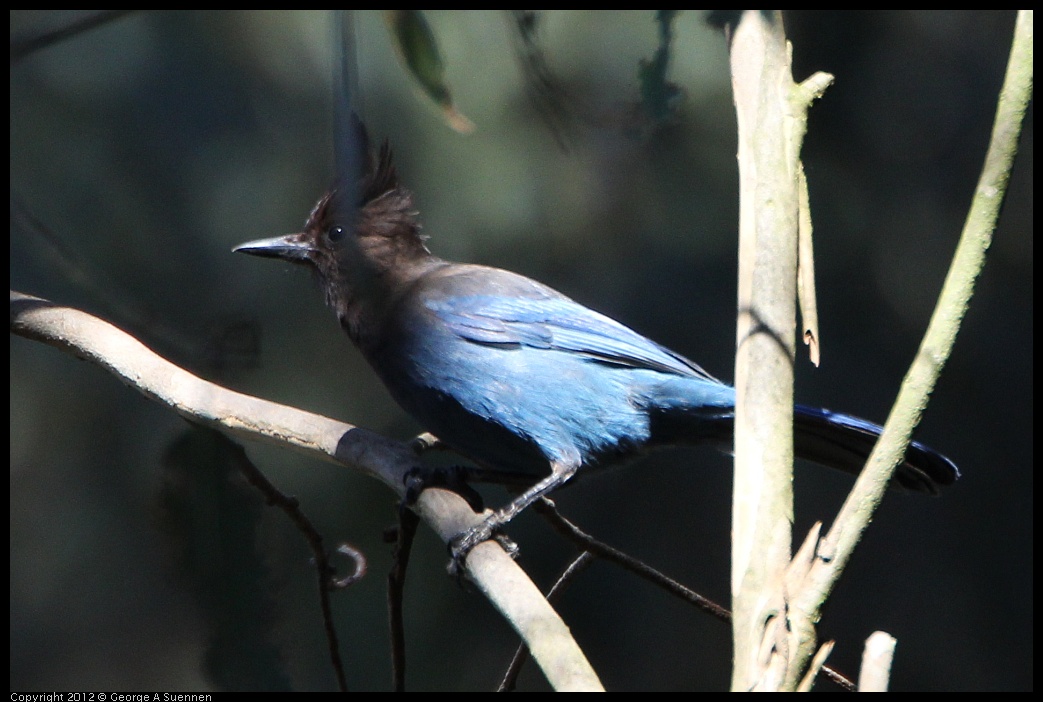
(415, 484)
(452, 478)
(462, 544)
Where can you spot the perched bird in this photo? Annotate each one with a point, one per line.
(512, 374)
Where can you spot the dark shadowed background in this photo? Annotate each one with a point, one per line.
(150, 146)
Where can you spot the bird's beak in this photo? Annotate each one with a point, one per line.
(291, 247)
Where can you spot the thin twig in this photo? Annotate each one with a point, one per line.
(22, 47)
(569, 530)
(324, 570)
(572, 571)
(407, 525)
(587, 542)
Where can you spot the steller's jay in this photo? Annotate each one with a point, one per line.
(512, 374)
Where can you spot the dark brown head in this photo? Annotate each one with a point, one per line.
(360, 250)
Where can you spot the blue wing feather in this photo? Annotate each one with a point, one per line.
(556, 323)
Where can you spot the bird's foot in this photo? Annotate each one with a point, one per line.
(450, 477)
(462, 544)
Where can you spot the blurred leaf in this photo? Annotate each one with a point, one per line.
(660, 99)
(211, 517)
(417, 47)
(544, 89)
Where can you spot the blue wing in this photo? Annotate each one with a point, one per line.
(556, 322)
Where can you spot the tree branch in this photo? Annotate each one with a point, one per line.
(771, 112)
(837, 546)
(502, 581)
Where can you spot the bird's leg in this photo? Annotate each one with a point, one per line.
(460, 546)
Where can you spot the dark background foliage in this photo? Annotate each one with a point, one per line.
(150, 146)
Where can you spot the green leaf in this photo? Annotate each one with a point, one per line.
(418, 49)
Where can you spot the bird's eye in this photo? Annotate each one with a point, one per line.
(335, 234)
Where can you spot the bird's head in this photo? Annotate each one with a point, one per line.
(357, 245)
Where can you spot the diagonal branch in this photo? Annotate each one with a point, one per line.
(835, 549)
(501, 580)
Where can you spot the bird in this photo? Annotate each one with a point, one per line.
(515, 376)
